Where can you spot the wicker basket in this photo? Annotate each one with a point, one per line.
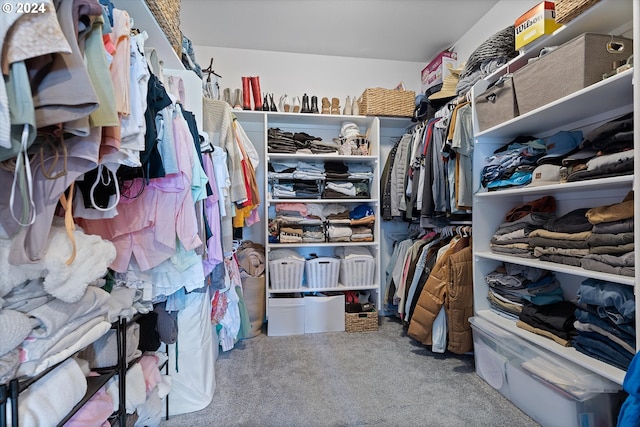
(361, 322)
(387, 102)
(566, 10)
(167, 14)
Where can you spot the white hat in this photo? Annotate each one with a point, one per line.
(545, 175)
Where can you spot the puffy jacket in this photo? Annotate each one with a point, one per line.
(448, 285)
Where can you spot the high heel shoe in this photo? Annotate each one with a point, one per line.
(296, 104)
(265, 103)
(272, 105)
(314, 105)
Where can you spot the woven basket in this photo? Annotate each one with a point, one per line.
(361, 322)
(167, 14)
(566, 10)
(387, 102)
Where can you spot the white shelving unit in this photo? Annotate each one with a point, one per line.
(582, 110)
(256, 125)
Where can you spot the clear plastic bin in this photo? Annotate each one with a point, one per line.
(551, 390)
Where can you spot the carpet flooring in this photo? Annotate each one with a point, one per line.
(382, 378)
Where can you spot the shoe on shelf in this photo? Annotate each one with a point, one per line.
(237, 102)
(305, 104)
(326, 109)
(314, 105)
(335, 106)
(246, 93)
(272, 105)
(226, 96)
(347, 107)
(285, 103)
(265, 103)
(355, 107)
(296, 104)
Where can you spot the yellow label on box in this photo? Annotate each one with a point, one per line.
(536, 22)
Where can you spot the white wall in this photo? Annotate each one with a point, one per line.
(319, 75)
(503, 14)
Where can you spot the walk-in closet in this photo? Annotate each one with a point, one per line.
(319, 213)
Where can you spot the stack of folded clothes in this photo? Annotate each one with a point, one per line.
(296, 179)
(611, 244)
(296, 223)
(512, 236)
(513, 164)
(512, 285)
(362, 219)
(604, 152)
(605, 321)
(279, 141)
(555, 320)
(349, 225)
(563, 240)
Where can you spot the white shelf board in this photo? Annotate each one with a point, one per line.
(323, 244)
(560, 268)
(143, 19)
(283, 156)
(340, 201)
(339, 288)
(569, 353)
(609, 95)
(587, 185)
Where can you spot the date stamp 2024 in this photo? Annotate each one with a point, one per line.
(23, 7)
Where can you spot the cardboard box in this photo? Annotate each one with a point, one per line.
(323, 313)
(286, 316)
(576, 64)
(535, 23)
(434, 73)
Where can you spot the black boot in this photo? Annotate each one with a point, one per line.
(272, 105)
(305, 104)
(265, 103)
(314, 105)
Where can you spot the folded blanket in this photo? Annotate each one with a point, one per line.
(93, 413)
(15, 327)
(43, 404)
(66, 282)
(57, 314)
(64, 348)
(103, 353)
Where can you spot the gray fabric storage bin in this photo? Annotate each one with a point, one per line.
(496, 105)
(574, 65)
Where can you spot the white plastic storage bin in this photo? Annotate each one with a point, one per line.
(552, 391)
(323, 313)
(286, 273)
(322, 272)
(357, 266)
(286, 316)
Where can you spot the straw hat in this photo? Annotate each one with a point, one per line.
(448, 89)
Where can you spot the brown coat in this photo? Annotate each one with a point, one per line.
(448, 285)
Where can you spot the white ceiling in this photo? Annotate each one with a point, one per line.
(401, 30)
